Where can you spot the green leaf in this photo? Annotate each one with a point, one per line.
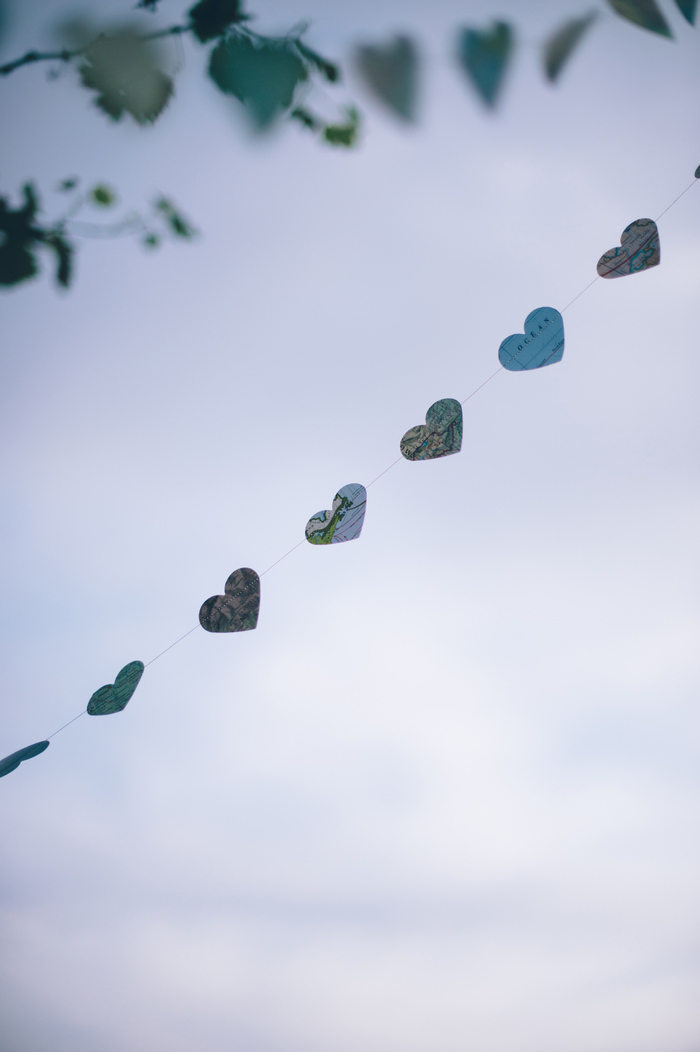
(211, 18)
(329, 69)
(687, 8)
(66, 185)
(64, 256)
(179, 226)
(305, 117)
(392, 74)
(103, 195)
(561, 45)
(262, 75)
(484, 57)
(151, 241)
(644, 13)
(122, 70)
(343, 134)
(17, 238)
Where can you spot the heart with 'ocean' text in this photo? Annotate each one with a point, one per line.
(542, 343)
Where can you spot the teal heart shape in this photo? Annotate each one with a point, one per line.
(484, 56)
(116, 696)
(541, 344)
(12, 762)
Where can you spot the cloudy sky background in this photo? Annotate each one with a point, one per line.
(445, 798)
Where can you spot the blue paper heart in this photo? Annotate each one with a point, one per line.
(542, 343)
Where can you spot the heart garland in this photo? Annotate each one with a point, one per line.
(116, 696)
(541, 344)
(344, 520)
(237, 610)
(639, 249)
(439, 436)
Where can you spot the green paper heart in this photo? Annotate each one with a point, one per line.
(116, 696)
(439, 436)
(237, 610)
(12, 762)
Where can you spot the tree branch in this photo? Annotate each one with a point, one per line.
(66, 54)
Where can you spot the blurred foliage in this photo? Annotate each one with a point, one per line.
(211, 18)
(262, 74)
(123, 70)
(273, 78)
(23, 236)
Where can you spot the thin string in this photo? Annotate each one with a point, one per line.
(677, 199)
(384, 472)
(81, 713)
(188, 633)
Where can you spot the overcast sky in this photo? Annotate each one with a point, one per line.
(445, 797)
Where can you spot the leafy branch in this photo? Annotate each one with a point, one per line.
(266, 74)
(22, 235)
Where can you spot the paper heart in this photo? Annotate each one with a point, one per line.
(12, 762)
(484, 56)
(439, 436)
(639, 249)
(391, 72)
(237, 610)
(344, 520)
(116, 696)
(542, 343)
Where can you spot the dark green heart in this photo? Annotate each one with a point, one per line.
(12, 762)
(116, 696)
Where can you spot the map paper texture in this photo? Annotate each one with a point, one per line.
(116, 696)
(344, 520)
(439, 436)
(237, 610)
(541, 344)
(12, 762)
(639, 249)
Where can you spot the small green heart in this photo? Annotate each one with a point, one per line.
(116, 696)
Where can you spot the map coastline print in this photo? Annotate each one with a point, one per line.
(439, 436)
(639, 249)
(541, 344)
(343, 522)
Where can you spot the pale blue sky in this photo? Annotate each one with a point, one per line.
(445, 797)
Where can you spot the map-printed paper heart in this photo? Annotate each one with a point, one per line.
(344, 520)
(12, 762)
(237, 610)
(542, 343)
(439, 436)
(639, 249)
(116, 696)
